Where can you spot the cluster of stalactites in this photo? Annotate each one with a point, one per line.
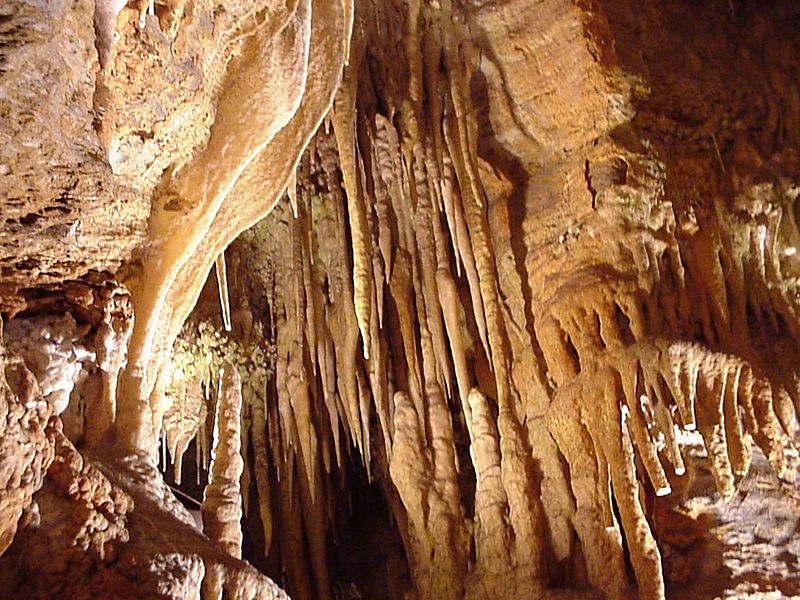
(392, 339)
(615, 347)
(626, 384)
(642, 396)
(391, 255)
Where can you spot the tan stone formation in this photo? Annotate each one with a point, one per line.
(115, 529)
(222, 499)
(535, 284)
(26, 450)
(191, 224)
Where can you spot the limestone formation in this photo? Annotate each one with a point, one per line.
(505, 299)
(26, 449)
(222, 499)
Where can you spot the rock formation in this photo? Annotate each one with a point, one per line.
(525, 324)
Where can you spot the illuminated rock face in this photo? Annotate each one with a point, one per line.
(523, 327)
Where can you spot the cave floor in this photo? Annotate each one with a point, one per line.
(751, 547)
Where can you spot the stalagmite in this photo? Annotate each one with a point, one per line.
(409, 471)
(222, 499)
(111, 342)
(244, 452)
(291, 536)
(595, 522)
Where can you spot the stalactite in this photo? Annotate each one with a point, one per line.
(313, 304)
(344, 319)
(635, 422)
(465, 253)
(295, 280)
(382, 177)
(492, 537)
(261, 469)
(401, 290)
(327, 374)
(291, 192)
(182, 422)
(711, 425)
(344, 125)
(466, 158)
(423, 217)
(448, 201)
(304, 434)
(288, 426)
(412, 114)
(222, 285)
(222, 508)
(450, 305)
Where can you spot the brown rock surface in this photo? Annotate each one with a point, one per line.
(526, 326)
(113, 529)
(25, 449)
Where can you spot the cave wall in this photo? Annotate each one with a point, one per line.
(532, 261)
